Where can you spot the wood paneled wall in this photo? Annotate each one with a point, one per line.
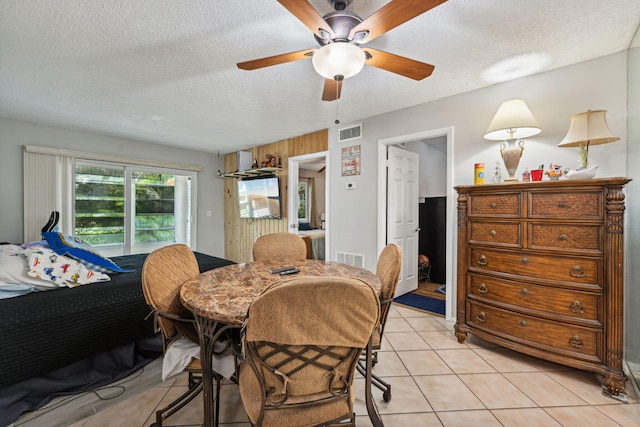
(240, 234)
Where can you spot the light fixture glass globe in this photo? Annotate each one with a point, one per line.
(338, 60)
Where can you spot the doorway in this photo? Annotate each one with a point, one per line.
(383, 144)
(308, 181)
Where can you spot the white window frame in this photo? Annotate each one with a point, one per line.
(130, 196)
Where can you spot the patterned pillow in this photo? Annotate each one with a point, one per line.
(47, 265)
(64, 244)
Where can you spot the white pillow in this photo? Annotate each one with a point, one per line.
(13, 271)
(11, 250)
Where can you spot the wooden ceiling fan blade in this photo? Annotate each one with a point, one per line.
(303, 10)
(394, 13)
(276, 59)
(332, 90)
(398, 64)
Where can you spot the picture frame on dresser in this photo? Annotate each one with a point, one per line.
(540, 271)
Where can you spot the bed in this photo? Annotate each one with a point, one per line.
(315, 242)
(46, 331)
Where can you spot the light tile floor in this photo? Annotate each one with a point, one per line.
(435, 382)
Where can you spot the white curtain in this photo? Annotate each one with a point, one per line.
(48, 186)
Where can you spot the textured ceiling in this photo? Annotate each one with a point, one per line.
(166, 72)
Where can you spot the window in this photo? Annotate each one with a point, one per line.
(303, 200)
(123, 209)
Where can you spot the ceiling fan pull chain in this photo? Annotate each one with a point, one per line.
(337, 105)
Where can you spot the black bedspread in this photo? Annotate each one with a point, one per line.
(44, 331)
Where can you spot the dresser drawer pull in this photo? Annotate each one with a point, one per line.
(563, 204)
(492, 232)
(524, 291)
(576, 342)
(524, 260)
(483, 288)
(563, 237)
(577, 271)
(483, 260)
(482, 317)
(492, 205)
(523, 323)
(576, 307)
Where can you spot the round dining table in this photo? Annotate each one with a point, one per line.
(220, 298)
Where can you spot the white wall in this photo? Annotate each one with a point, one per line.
(432, 169)
(15, 134)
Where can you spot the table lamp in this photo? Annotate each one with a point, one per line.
(588, 128)
(512, 122)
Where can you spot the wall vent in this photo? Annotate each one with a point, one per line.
(357, 260)
(348, 134)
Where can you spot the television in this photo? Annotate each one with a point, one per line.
(259, 198)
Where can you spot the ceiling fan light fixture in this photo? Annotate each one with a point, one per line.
(338, 59)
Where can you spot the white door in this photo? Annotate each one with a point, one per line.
(402, 213)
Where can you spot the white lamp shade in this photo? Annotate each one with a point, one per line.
(338, 59)
(513, 120)
(589, 128)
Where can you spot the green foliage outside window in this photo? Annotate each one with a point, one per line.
(100, 206)
(302, 196)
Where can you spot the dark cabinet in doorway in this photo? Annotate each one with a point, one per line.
(432, 238)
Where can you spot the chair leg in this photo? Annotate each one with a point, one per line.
(195, 387)
(218, 378)
(179, 403)
(382, 385)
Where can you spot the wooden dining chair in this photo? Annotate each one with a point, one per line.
(279, 247)
(302, 340)
(163, 273)
(388, 271)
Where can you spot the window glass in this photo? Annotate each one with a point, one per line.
(124, 209)
(303, 198)
(99, 211)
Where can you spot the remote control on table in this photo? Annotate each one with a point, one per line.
(294, 271)
(280, 270)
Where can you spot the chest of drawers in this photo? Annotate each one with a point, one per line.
(540, 271)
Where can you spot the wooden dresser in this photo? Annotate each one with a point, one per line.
(540, 271)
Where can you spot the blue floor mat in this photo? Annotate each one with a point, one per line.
(421, 302)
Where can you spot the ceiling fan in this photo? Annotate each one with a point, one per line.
(340, 35)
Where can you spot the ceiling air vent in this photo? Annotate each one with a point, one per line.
(348, 134)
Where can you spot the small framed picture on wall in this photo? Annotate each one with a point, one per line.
(351, 160)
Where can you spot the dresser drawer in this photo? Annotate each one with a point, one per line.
(566, 237)
(556, 337)
(561, 304)
(576, 205)
(585, 271)
(497, 205)
(498, 233)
